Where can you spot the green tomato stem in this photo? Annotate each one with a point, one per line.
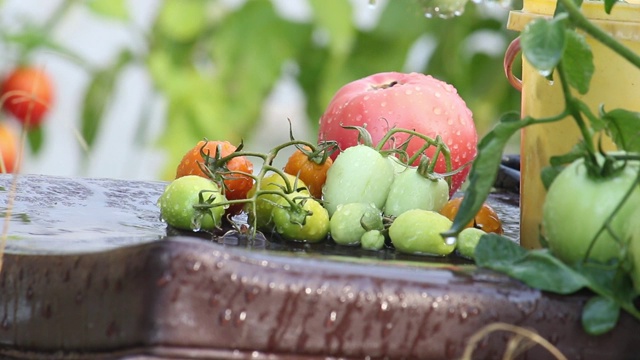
(573, 107)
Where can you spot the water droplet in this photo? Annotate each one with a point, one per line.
(437, 110)
(450, 240)
(196, 266)
(242, 317)
(331, 319)
(225, 317)
(544, 72)
(384, 306)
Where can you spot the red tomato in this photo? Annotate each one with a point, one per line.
(236, 186)
(8, 149)
(33, 97)
(413, 101)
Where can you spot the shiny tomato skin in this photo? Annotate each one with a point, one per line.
(413, 101)
(486, 219)
(307, 222)
(577, 205)
(310, 172)
(35, 85)
(236, 186)
(8, 148)
(181, 195)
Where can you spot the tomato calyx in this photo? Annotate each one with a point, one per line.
(385, 85)
(205, 206)
(316, 154)
(216, 167)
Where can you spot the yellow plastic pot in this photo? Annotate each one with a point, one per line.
(615, 84)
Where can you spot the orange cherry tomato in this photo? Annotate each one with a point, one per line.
(486, 219)
(8, 149)
(236, 186)
(32, 95)
(303, 164)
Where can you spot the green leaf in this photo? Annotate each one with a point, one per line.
(336, 18)
(35, 139)
(538, 268)
(543, 43)
(181, 20)
(548, 174)
(578, 61)
(116, 9)
(600, 315)
(577, 151)
(98, 96)
(608, 5)
(497, 251)
(624, 128)
(485, 169)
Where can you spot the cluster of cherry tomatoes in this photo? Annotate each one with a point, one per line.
(26, 94)
(215, 178)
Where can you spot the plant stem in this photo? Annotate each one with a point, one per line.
(573, 107)
(581, 22)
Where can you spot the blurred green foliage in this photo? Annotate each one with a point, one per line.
(215, 65)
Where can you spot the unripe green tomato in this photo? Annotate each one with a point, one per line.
(468, 240)
(346, 223)
(576, 207)
(264, 204)
(178, 200)
(418, 231)
(307, 222)
(372, 240)
(411, 190)
(360, 174)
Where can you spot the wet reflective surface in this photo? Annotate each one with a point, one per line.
(64, 215)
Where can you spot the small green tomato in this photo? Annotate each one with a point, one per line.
(264, 204)
(468, 240)
(372, 240)
(180, 200)
(351, 221)
(418, 231)
(307, 221)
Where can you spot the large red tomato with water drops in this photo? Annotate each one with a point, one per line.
(413, 101)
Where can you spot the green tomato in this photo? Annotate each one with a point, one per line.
(265, 203)
(177, 203)
(468, 240)
(410, 190)
(576, 207)
(418, 231)
(372, 240)
(307, 221)
(350, 221)
(360, 174)
(634, 253)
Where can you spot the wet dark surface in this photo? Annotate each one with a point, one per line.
(89, 273)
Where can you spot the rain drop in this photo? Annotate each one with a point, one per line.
(450, 240)
(544, 72)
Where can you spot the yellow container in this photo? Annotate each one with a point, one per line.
(615, 84)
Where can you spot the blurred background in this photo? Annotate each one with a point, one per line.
(136, 83)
